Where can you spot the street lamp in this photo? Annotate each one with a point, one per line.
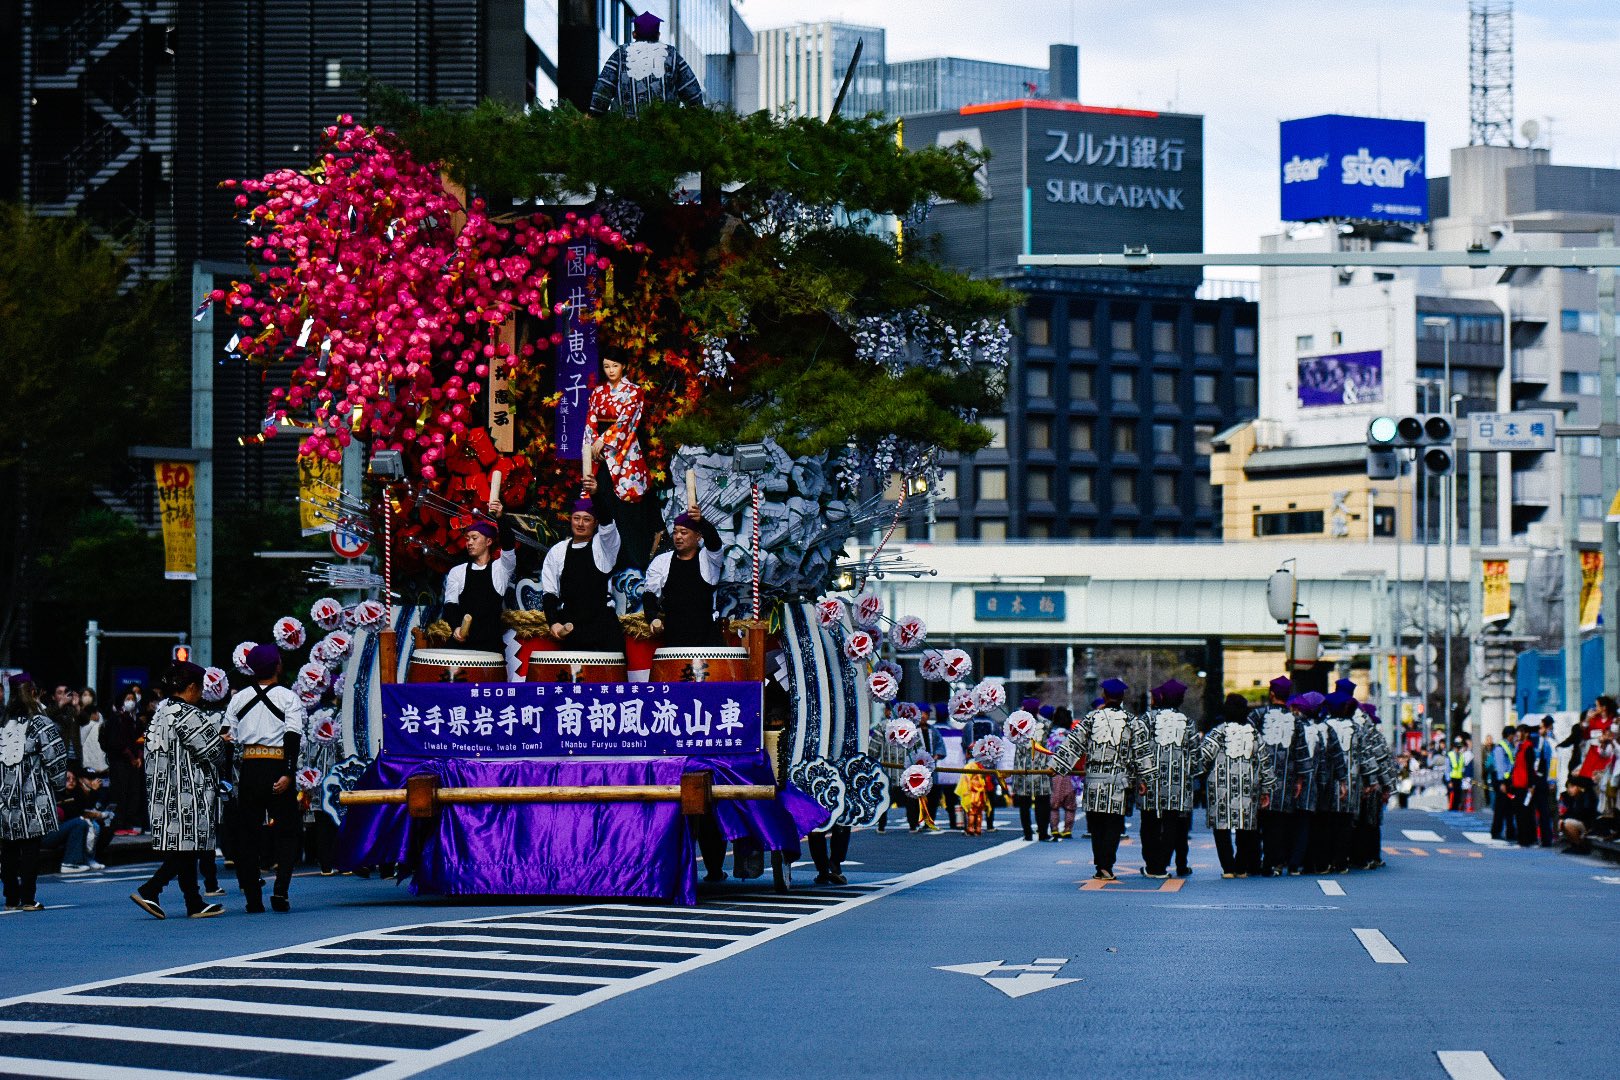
(1448, 492)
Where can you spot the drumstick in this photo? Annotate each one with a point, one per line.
(585, 458)
(466, 625)
(495, 486)
(691, 488)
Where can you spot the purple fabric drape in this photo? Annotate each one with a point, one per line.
(566, 849)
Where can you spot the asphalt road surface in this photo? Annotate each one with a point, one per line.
(944, 956)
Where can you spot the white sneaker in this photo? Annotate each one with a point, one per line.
(96, 865)
(73, 868)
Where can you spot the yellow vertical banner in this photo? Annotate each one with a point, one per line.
(1498, 602)
(1397, 675)
(177, 505)
(1591, 588)
(319, 482)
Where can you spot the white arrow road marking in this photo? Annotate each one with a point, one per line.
(1378, 946)
(1027, 984)
(1428, 836)
(1467, 1065)
(980, 970)
(1034, 977)
(1331, 888)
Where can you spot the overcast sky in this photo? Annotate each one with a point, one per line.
(1246, 64)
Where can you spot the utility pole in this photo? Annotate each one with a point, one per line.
(1476, 621)
(1609, 397)
(202, 441)
(1568, 452)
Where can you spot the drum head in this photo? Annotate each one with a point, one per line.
(725, 653)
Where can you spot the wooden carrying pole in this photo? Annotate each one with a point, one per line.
(696, 793)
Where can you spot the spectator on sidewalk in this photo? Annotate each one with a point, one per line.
(79, 835)
(1504, 822)
(120, 740)
(1577, 814)
(94, 758)
(1547, 793)
(1525, 782)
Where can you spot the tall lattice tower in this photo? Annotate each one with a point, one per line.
(1490, 72)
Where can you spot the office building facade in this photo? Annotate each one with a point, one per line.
(802, 67)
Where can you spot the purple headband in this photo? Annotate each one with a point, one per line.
(684, 520)
(482, 528)
(583, 506)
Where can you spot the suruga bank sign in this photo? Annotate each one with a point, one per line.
(1144, 169)
(1379, 174)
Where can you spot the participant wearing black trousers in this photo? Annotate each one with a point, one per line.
(182, 789)
(1168, 803)
(266, 721)
(829, 853)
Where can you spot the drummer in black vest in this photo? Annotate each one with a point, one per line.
(679, 591)
(574, 580)
(477, 587)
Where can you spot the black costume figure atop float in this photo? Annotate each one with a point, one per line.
(476, 589)
(679, 591)
(644, 71)
(574, 580)
(266, 721)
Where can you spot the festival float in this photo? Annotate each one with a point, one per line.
(698, 311)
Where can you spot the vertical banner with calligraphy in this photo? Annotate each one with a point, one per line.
(1396, 680)
(177, 505)
(1498, 604)
(319, 483)
(577, 355)
(1591, 588)
(502, 415)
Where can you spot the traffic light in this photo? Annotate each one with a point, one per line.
(1428, 435)
(180, 653)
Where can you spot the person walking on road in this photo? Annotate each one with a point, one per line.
(1239, 787)
(1167, 804)
(182, 792)
(1367, 834)
(1282, 737)
(1063, 796)
(266, 721)
(33, 768)
(1032, 793)
(1119, 755)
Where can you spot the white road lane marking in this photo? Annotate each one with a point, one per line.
(76, 1070)
(1428, 836)
(1486, 839)
(1378, 946)
(1467, 1065)
(1331, 888)
(271, 1008)
(173, 1037)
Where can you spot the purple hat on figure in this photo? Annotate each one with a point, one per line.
(1170, 692)
(683, 520)
(1114, 688)
(1030, 704)
(1297, 701)
(583, 505)
(482, 528)
(646, 23)
(1345, 686)
(1046, 712)
(1312, 702)
(20, 679)
(264, 661)
(1282, 686)
(1369, 709)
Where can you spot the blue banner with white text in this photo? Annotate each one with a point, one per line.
(560, 720)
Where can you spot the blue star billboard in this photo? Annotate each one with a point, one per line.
(1353, 168)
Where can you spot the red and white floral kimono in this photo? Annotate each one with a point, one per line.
(620, 407)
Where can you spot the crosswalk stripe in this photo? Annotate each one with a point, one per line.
(454, 954)
(74, 1070)
(1331, 888)
(1487, 839)
(616, 946)
(406, 969)
(1379, 947)
(691, 935)
(173, 1037)
(1427, 836)
(270, 1008)
(526, 944)
(347, 988)
(1467, 1065)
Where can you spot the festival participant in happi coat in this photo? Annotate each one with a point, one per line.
(1119, 754)
(1344, 802)
(613, 428)
(1326, 770)
(575, 578)
(1368, 843)
(182, 792)
(1031, 790)
(1167, 803)
(1282, 736)
(33, 768)
(1063, 794)
(642, 72)
(475, 591)
(678, 595)
(1238, 788)
(266, 723)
